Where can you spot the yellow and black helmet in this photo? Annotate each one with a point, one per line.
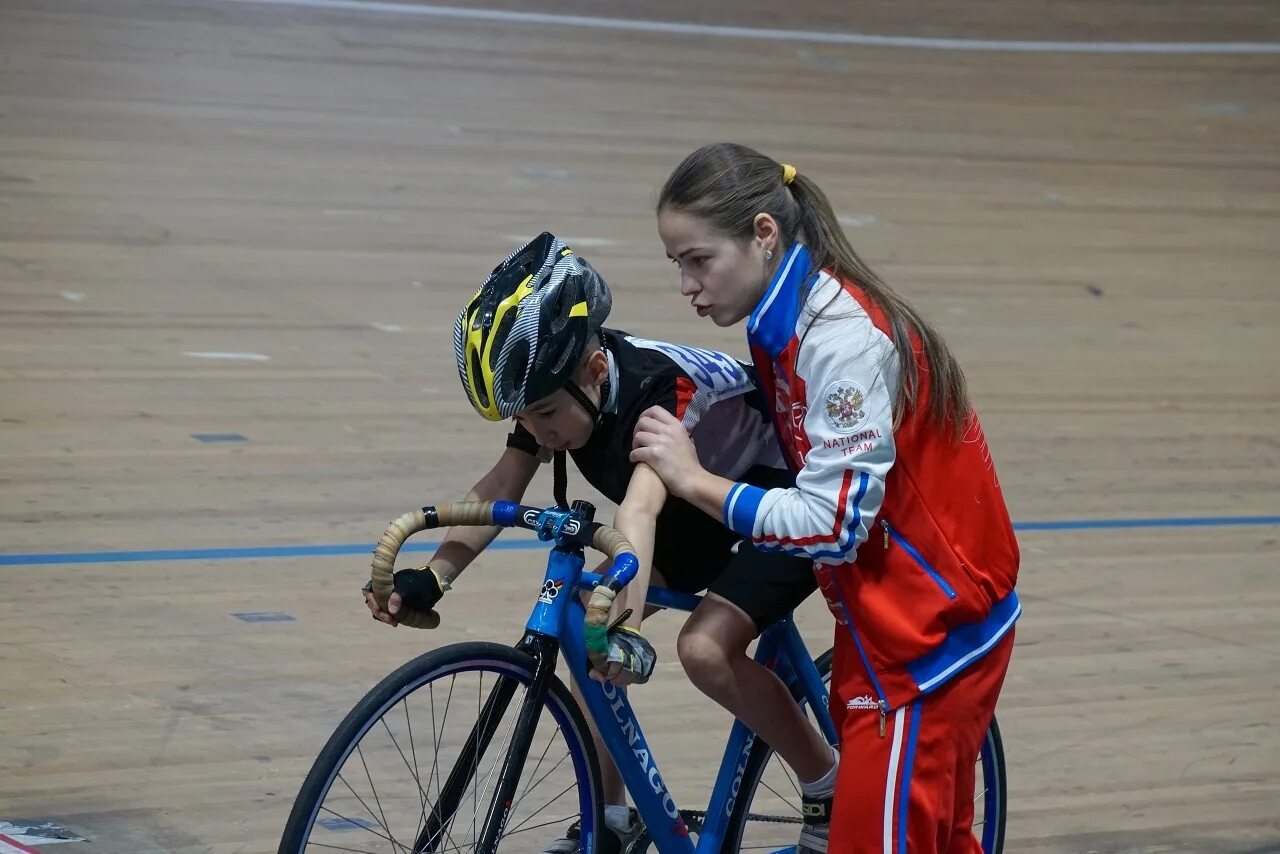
(520, 337)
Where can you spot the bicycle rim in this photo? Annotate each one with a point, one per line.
(381, 785)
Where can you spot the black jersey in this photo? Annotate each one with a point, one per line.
(714, 396)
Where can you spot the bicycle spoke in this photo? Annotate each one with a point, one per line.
(413, 751)
(444, 719)
(367, 806)
(475, 762)
(425, 792)
(793, 780)
(544, 776)
(354, 823)
(385, 824)
(557, 797)
(403, 758)
(338, 848)
(506, 741)
(552, 823)
(483, 723)
(477, 794)
(555, 822)
(435, 742)
(550, 740)
(533, 783)
(780, 796)
(362, 801)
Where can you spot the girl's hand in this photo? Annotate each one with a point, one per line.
(664, 445)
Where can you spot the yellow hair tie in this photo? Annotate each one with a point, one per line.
(788, 173)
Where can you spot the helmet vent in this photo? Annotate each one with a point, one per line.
(500, 335)
(479, 386)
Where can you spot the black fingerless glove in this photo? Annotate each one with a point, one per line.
(419, 589)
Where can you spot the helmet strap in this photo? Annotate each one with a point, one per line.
(581, 396)
(559, 475)
(560, 480)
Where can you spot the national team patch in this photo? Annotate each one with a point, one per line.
(844, 404)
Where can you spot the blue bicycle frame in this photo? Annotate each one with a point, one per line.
(557, 625)
(780, 647)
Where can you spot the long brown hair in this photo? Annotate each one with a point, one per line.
(728, 185)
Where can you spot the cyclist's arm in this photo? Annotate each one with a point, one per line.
(506, 481)
(637, 518)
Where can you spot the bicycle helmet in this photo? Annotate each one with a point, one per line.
(521, 336)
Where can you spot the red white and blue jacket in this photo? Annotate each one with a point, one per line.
(912, 541)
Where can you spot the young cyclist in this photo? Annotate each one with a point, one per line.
(530, 346)
(896, 498)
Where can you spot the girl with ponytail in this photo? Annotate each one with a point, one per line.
(896, 498)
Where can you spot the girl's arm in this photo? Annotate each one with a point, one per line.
(850, 375)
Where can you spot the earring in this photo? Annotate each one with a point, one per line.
(768, 254)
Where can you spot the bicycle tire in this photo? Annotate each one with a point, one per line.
(450, 661)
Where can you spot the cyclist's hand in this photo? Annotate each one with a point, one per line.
(616, 653)
(387, 616)
(595, 629)
(631, 658)
(419, 589)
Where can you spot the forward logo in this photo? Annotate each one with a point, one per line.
(866, 701)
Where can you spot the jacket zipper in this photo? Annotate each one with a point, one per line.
(881, 703)
(890, 533)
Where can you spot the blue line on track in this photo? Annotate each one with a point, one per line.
(262, 552)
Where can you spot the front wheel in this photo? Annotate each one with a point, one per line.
(414, 766)
(766, 815)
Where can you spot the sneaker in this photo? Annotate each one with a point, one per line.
(611, 841)
(817, 825)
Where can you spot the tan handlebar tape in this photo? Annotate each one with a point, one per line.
(611, 542)
(471, 513)
(388, 549)
(465, 513)
(599, 605)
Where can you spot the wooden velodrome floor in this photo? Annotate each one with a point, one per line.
(317, 191)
